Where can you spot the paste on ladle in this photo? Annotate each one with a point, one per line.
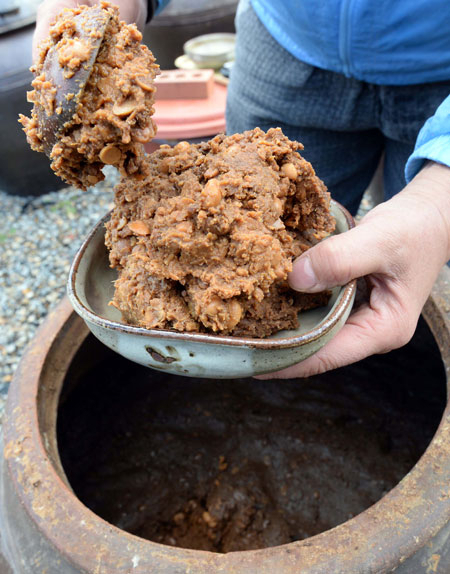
(113, 118)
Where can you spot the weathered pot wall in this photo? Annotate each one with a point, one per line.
(47, 529)
(141, 447)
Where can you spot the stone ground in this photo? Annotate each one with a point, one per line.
(38, 240)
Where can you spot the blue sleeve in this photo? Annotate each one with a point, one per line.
(160, 5)
(154, 7)
(433, 141)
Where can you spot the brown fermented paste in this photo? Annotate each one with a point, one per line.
(206, 240)
(113, 118)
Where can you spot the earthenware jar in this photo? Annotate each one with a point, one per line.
(45, 526)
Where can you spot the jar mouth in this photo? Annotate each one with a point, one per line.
(231, 466)
(31, 451)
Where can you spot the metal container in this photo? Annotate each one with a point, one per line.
(46, 528)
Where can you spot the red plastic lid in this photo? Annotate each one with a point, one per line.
(185, 119)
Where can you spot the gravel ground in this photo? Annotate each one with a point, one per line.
(38, 240)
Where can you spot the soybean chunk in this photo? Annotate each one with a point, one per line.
(206, 240)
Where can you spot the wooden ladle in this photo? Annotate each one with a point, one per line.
(90, 26)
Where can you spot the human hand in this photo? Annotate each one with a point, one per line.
(130, 11)
(400, 247)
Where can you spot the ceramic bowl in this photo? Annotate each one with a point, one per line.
(211, 50)
(91, 287)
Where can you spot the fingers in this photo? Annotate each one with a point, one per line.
(349, 345)
(46, 15)
(132, 11)
(338, 259)
(386, 241)
(367, 332)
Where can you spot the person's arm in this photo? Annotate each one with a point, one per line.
(400, 247)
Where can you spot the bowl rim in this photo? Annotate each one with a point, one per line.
(344, 299)
(205, 38)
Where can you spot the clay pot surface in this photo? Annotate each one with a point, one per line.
(45, 526)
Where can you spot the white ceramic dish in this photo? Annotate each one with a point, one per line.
(91, 286)
(211, 50)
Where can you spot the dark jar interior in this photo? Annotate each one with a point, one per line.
(227, 465)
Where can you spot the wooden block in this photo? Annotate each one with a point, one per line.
(184, 84)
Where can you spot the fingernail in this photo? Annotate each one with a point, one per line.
(302, 276)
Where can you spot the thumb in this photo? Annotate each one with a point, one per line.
(47, 13)
(336, 261)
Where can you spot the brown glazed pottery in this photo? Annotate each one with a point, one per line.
(45, 528)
